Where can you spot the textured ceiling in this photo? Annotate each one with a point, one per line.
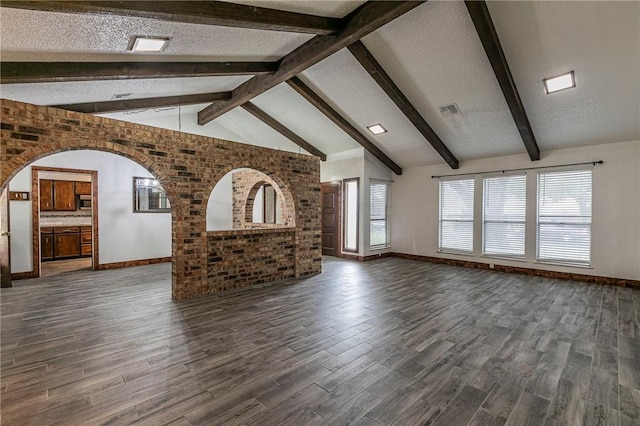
(287, 107)
(331, 8)
(238, 125)
(49, 36)
(601, 42)
(104, 90)
(432, 53)
(435, 56)
(356, 96)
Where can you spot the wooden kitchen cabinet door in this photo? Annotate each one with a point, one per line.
(67, 245)
(46, 246)
(64, 196)
(46, 194)
(83, 188)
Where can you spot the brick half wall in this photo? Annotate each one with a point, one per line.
(243, 257)
(188, 167)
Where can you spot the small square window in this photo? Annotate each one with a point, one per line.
(149, 196)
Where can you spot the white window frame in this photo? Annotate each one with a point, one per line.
(440, 220)
(589, 225)
(485, 221)
(387, 242)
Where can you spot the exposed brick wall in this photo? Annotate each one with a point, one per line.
(245, 186)
(239, 258)
(188, 166)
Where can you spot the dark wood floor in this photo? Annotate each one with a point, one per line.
(387, 342)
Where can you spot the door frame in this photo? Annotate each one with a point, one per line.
(35, 213)
(336, 184)
(344, 215)
(5, 253)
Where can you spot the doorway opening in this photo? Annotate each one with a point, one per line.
(65, 219)
(5, 246)
(56, 228)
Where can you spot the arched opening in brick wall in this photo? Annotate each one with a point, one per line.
(120, 230)
(251, 230)
(245, 198)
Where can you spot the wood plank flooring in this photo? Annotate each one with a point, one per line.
(56, 267)
(389, 342)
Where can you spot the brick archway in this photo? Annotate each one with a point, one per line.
(188, 167)
(246, 185)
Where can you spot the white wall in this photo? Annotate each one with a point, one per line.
(21, 225)
(258, 206)
(123, 235)
(220, 205)
(615, 216)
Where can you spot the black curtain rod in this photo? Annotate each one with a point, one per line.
(380, 180)
(518, 170)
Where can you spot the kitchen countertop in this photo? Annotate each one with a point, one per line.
(47, 222)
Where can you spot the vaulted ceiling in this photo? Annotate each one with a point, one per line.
(432, 54)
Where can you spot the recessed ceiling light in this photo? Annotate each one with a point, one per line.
(560, 82)
(376, 129)
(149, 44)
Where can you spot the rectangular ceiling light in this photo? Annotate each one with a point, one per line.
(560, 82)
(149, 44)
(376, 129)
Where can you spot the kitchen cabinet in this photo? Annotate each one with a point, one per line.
(46, 244)
(86, 241)
(60, 242)
(66, 242)
(58, 195)
(83, 188)
(64, 196)
(46, 195)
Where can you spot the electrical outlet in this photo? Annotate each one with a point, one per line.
(491, 266)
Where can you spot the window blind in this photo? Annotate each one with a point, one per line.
(456, 215)
(564, 216)
(504, 214)
(379, 232)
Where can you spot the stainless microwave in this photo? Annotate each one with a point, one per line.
(84, 202)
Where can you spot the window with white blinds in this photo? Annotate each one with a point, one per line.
(504, 215)
(564, 217)
(456, 215)
(379, 229)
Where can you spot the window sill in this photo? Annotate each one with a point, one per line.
(377, 248)
(571, 265)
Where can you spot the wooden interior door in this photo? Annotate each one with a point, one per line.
(5, 246)
(331, 219)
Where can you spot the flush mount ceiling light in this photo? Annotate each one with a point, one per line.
(377, 129)
(149, 44)
(559, 82)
